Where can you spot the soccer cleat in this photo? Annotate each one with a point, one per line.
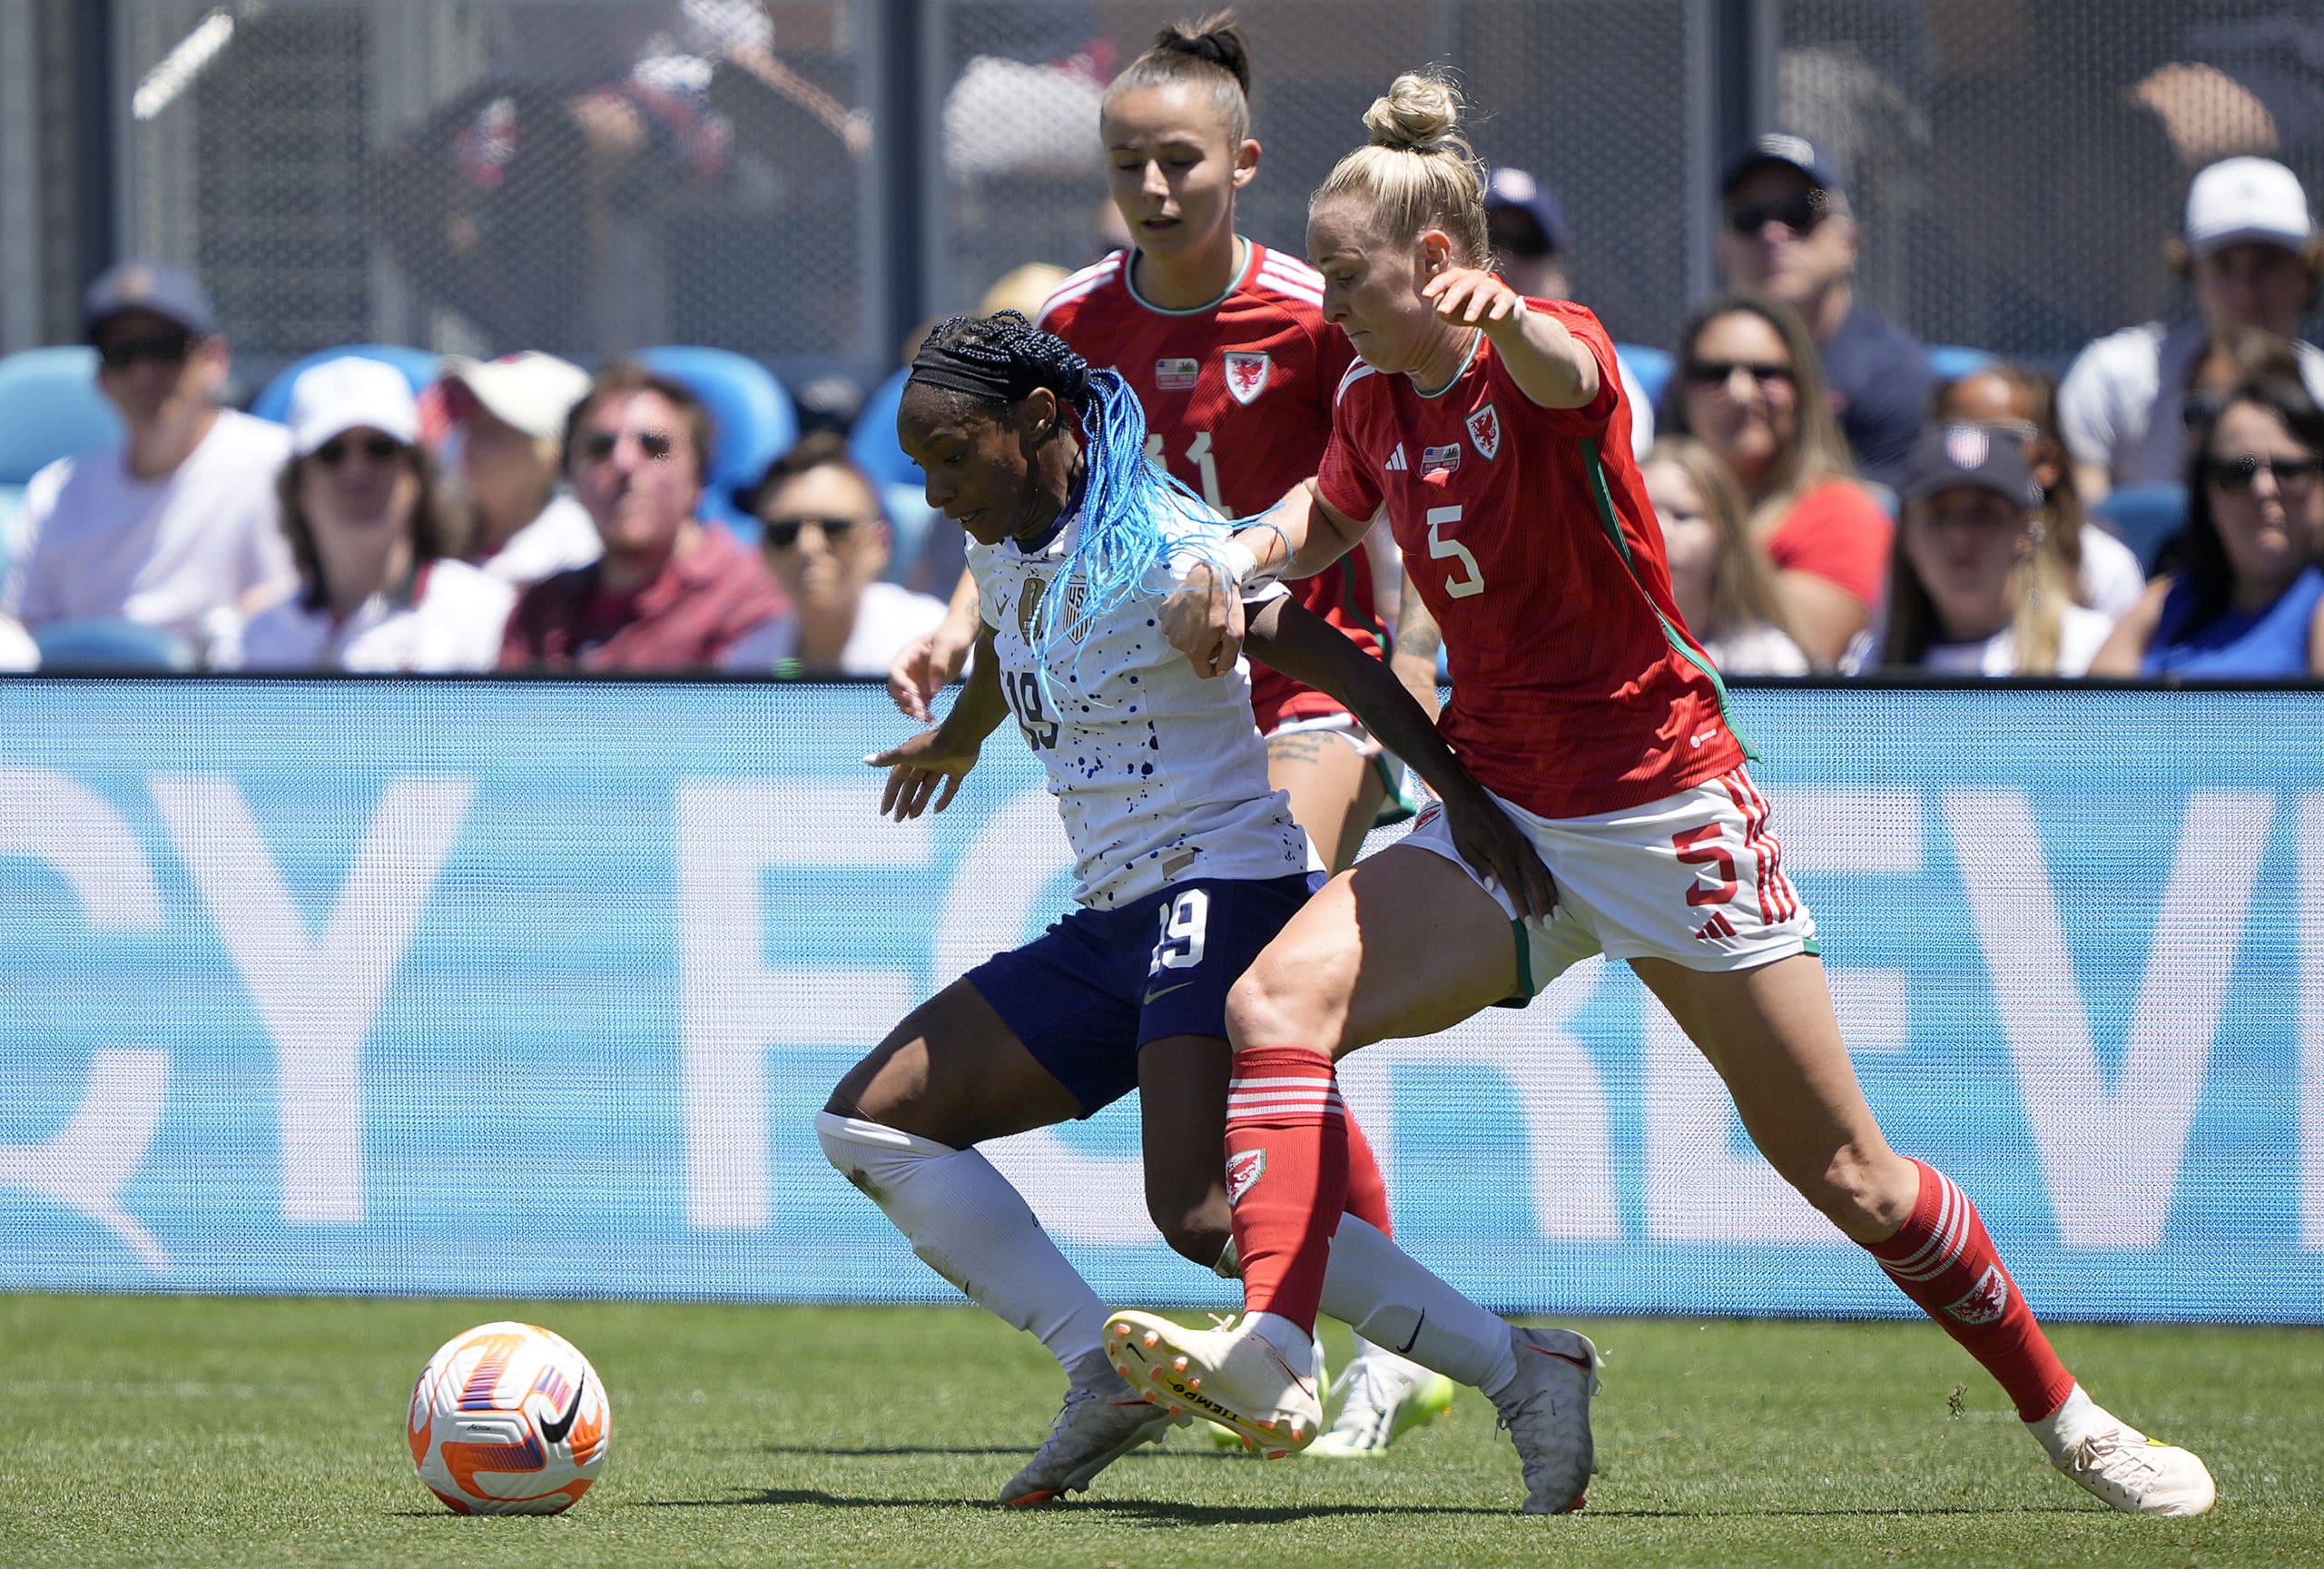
(1102, 1420)
(1546, 1410)
(2135, 1474)
(1382, 1396)
(1226, 1375)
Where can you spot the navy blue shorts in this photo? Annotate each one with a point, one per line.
(1098, 984)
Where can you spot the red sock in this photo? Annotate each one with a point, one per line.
(1944, 1260)
(1367, 1191)
(1286, 1176)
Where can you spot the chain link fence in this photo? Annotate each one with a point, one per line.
(593, 176)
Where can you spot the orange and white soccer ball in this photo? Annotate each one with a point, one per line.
(509, 1419)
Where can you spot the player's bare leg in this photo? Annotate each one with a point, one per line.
(1334, 786)
(1771, 1034)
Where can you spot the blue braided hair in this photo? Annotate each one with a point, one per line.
(1000, 359)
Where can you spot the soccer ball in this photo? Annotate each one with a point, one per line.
(509, 1419)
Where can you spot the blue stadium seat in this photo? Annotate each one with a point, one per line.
(1652, 366)
(112, 646)
(50, 408)
(757, 422)
(1951, 361)
(418, 365)
(871, 443)
(2145, 516)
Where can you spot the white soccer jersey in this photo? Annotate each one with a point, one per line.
(1159, 774)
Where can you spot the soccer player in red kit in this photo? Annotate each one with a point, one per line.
(1492, 430)
(1226, 345)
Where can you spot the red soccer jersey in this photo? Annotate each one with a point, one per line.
(1576, 688)
(1238, 405)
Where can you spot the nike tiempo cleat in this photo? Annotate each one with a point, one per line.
(1102, 1420)
(2135, 1474)
(1225, 1376)
(1546, 1413)
(1228, 1438)
(1382, 1396)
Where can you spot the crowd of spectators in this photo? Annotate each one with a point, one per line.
(1830, 503)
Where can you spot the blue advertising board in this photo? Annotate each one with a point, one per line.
(530, 988)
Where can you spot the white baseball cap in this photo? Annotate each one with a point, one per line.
(531, 392)
(2240, 201)
(350, 393)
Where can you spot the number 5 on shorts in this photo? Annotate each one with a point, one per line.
(1183, 921)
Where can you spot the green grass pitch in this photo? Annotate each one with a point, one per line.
(209, 1431)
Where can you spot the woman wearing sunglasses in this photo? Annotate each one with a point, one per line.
(1751, 388)
(368, 524)
(2243, 599)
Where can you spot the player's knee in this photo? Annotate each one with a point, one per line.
(1198, 1227)
(1263, 1007)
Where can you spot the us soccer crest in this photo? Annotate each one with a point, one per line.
(1028, 605)
(1484, 430)
(1246, 374)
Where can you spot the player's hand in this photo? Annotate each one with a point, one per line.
(924, 774)
(1204, 621)
(1492, 843)
(1473, 297)
(925, 666)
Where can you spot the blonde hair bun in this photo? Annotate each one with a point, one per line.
(1420, 113)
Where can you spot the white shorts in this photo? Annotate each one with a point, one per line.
(1694, 878)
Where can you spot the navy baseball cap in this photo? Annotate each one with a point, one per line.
(1983, 455)
(1791, 151)
(155, 286)
(1514, 188)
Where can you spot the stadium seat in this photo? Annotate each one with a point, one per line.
(871, 443)
(755, 419)
(112, 646)
(2145, 518)
(1951, 361)
(418, 365)
(1650, 366)
(50, 408)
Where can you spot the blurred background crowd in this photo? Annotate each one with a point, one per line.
(563, 335)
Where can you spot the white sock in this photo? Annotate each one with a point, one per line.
(970, 1226)
(2063, 1429)
(1298, 1348)
(1392, 1300)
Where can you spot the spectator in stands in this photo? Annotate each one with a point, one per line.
(1750, 387)
(2252, 258)
(1526, 223)
(2102, 571)
(2229, 360)
(2244, 597)
(1974, 590)
(510, 413)
(371, 529)
(670, 593)
(178, 526)
(827, 544)
(1724, 583)
(1786, 232)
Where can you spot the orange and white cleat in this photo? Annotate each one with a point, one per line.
(1230, 1376)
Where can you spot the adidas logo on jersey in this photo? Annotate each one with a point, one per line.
(1177, 375)
(1396, 463)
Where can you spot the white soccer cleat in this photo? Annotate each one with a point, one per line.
(1382, 1396)
(1102, 1420)
(1546, 1413)
(1230, 1376)
(1228, 1438)
(2135, 1474)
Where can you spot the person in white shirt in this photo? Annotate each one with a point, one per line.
(828, 543)
(1973, 587)
(2252, 258)
(508, 416)
(368, 526)
(177, 528)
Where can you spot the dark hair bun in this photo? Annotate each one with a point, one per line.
(1216, 38)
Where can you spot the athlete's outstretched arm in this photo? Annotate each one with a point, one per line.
(1304, 647)
(925, 773)
(1203, 620)
(1550, 365)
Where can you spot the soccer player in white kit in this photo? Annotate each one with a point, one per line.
(1186, 864)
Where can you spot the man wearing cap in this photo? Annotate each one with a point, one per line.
(2250, 256)
(1786, 230)
(1526, 224)
(177, 526)
(510, 414)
